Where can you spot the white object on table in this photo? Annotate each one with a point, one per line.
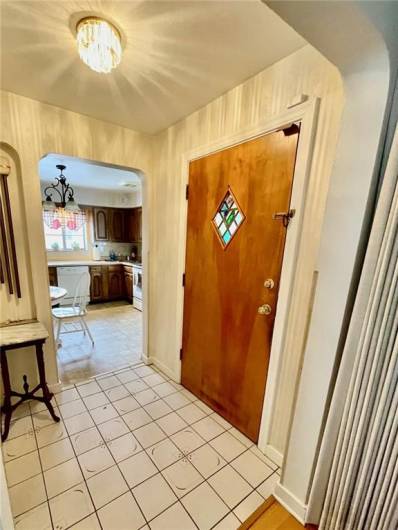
(57, 294)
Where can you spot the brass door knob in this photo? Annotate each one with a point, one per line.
(264, 309)
(269, 284)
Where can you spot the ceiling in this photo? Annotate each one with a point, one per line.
(178, 55)
(86, 174)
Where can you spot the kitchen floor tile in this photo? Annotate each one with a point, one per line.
(22, 468)
(63, 477)
(17, 447)
(241, 437)
(95, 460)
(208, 428)
(171, 423)
(154, 496)
(153, 379)
(206, 409)
(117, 392)
(204, 506)
(127, 376)
(227, 446)
(164, 389)
(174, 518)
(157, 409)
(51, 434)
(190, 413)
(27, 495)
(20, 427)
(188, 394)
(206, 460)
(113, 429)
(182, 477)
(86, 440)
(88, 389)
(251, 468)
(124, 447)
(136, 418)
(121, 514)
(96, 400)
(56, 453)
(144, 371)
(176, 401)
(219, 419)
(108, 382)
(104, 413)
(43, 418)
(256, 451)
(73, 408)
(36, 519)
(187, 440)
(106, 486)
(134, 387)
(248, 506)
(137, 468)
(78, 423)
(164, 453)
(66, 395)
(230, 522)
(267, 488)
(89, 523)
(146, 396)
(71, 506)
(126, 404)
(149, 434)
(230, 486)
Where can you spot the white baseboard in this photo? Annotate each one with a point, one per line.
(165, 369)
(273, 454)
(55, 387)
(291, 503)
(145, 359)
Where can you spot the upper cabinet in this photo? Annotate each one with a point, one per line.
(118, 224)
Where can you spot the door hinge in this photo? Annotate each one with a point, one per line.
(293, 128)
(180, 354)
(284, 217)
(183, 280)
(187, 191)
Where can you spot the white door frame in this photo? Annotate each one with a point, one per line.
(307, 114)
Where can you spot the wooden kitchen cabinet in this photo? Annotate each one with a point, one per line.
(99, 287)
(101, 224)
(122, 225)
(135, 225)
(115, 282)
(118, 224)
(128, 283)
(52, 275)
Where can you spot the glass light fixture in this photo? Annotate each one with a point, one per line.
(99, 44)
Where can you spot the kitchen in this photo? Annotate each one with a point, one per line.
(101, 241)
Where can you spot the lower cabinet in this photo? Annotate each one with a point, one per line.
(52, 275)
(111, 282)
(115, 280)
(99, 290)
(128, 283)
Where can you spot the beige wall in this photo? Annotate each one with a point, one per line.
(35, 129)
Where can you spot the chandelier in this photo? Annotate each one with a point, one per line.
(99, 44)
(59, 207)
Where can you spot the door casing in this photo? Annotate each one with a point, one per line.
(307, 114)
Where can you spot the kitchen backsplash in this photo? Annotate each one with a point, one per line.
(123, 249)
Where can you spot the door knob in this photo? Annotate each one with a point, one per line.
(264, 309)
(269, 284)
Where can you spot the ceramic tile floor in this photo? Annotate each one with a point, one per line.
(133, 450)
(121, 327)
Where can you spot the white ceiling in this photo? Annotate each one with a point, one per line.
(86, 174)
(178, 55)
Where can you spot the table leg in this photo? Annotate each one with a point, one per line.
(7, 394)
(47, 395)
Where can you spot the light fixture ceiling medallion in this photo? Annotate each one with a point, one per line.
(99, 44)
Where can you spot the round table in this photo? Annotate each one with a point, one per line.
(56, 294)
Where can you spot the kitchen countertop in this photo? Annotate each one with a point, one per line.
(92, 263)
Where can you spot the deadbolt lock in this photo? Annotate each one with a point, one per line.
(269, 284)
(264, 309)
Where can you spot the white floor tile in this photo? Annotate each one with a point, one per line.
(127, 376)
(256, 451)
(108, 382)
(251, 468)
(248, 506)
(22, 410)
(121, 514)
(86, 440)
(88, 389)
(146, 396)
(17, 447)
(144, 371)
(89, 523)
(206, 409)
(171, 423)
(164, 453)
(78, 423)
(73, 408)
(126, 404)
(164, 389)
(204, 506)
(39, 406)
(267, 488)
(51, 434)
(134, 387)
(63, 477)
(154, 496)
(95, 460)
(153, 379)
(241, 437)
(118, 392)
(219, 419)
(149, 434)
(176, 401)
(20, 426)
(230, 486)
(227, 446)
(66, 395)
(95, 400)
(106, 486)
(188, 394)
(113, 429)
(208, 428)
(71, 506)
(174, 518)
(191, 413)
(206, 460)
(230, 522)
(27, 495)
(22, 468)
(137, 468)
(43, 418)
(158, 409)
(182, 477)
(104, 413)
(36, 519)
(136, 418)
(56, 453)
(187, 440)
(124, 447)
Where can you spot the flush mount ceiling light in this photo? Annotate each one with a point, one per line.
(99, 44)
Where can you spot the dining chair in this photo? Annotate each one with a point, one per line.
(77, 311)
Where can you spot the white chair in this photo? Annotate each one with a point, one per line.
(77, 311)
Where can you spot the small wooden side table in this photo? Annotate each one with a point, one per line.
(21, 336)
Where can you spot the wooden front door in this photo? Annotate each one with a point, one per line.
(233, 246)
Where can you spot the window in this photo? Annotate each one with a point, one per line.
(228, 218)
(63, 239)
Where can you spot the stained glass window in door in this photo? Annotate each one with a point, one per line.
(228, 218)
